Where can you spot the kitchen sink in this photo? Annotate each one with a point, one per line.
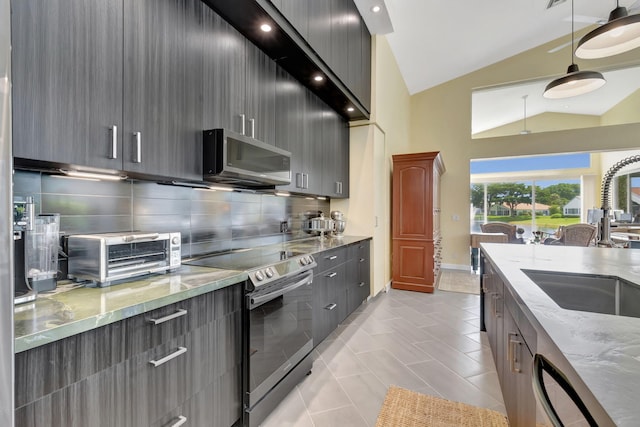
(589, 292)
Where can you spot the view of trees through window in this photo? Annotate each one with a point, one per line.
(531, 205)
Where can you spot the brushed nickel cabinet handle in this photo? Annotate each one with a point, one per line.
(332, 257)
(361, 284)
(181, 420)
(242, 124)
(331, 306)
(138, 156)
(253, 127)
(331, 275)
(305, 180)
(299, 180)
(114, 142)
(178, 352)
(512, 354)
(180, 312)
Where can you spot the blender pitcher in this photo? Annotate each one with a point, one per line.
(41, 252)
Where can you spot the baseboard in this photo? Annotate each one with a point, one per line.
(463, 267)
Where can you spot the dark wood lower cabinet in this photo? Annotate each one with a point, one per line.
(134, 373)
(339, 287)
(513, 341)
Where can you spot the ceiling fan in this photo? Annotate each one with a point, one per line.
(634, 8)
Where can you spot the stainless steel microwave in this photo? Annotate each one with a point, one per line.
(232, 158)
(108, 257)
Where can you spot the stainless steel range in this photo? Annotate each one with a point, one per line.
(278, 340)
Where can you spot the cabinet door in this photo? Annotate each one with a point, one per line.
(329, 302)
(313, 143)
(261, 95)
(163, 88)
(320, 27)
(364, 92)
(296, 12)
(335, 174)
(339, 53)
(413, 265)
(224, 74)
(412, 210)
(290, 122)
(67, 81)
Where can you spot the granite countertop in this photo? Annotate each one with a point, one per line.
(72, 309)
(602, 350)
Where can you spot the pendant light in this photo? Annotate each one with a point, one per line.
(575, 82)
(620, 34)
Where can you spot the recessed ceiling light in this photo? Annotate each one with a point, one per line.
(265, 27)
(376, 9)
(350, 109)
(318, 78)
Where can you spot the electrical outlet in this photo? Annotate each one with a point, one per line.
(284, 226)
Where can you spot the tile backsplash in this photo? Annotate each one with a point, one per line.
(210, 221)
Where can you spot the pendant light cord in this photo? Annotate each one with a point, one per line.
(572, 32)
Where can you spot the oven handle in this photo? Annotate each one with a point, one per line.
(264, 298)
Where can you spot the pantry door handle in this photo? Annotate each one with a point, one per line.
(181, 420)
(179, 312)
(138, 157)
(178, 352)
(114, 142)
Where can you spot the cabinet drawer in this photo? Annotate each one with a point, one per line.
(45, 369)
(155, 327)
(331, 258)
(161, 379)
(359, 250)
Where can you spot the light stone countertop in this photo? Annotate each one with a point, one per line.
(71, 310)
(601, 352)
(63, 313)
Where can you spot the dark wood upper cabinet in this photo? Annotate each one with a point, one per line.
(113, 84)
(320, 27)
(297, 13)
(224, 74)
(67, 81)
(163, 87)
(335, 172)
(260, 106)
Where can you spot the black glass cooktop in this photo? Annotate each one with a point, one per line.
(245, 259)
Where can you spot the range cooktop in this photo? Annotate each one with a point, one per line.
(264, 265)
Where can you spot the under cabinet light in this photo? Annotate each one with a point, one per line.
(350, 109)
(318, 78)
(93, 175)
(282, 194)
(376, 9)
(266, 28)
(216, 188)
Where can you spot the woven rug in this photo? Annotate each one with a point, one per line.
(459, 281)
(406, 408)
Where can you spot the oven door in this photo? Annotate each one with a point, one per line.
(279, 332)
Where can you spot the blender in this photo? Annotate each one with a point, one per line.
(36, 245)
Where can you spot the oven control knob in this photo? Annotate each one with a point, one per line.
(308, 260)
(269, 272)
(259, 276)
(175, 240)
(303, 261)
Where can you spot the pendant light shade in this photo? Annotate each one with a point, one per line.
(574, 83)
(620, 34)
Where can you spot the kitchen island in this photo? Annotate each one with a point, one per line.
(599, 353)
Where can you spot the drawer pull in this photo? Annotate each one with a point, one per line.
(331, 275)
(181, 420)
(361, 259)
(331, 306)
(180, 312)
(332, 257)
(178, 352)
(361, 284)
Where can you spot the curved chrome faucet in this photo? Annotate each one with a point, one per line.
(604, 237)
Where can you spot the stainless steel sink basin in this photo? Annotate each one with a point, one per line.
(589, 292)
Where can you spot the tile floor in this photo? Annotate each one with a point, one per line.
(429, 343)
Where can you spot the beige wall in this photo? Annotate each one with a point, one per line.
(626, 111)
(368, 209)
(441, 121)
(544, 122)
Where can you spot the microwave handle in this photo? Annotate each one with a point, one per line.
(134, 237)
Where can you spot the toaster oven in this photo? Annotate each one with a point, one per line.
(109, 257)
